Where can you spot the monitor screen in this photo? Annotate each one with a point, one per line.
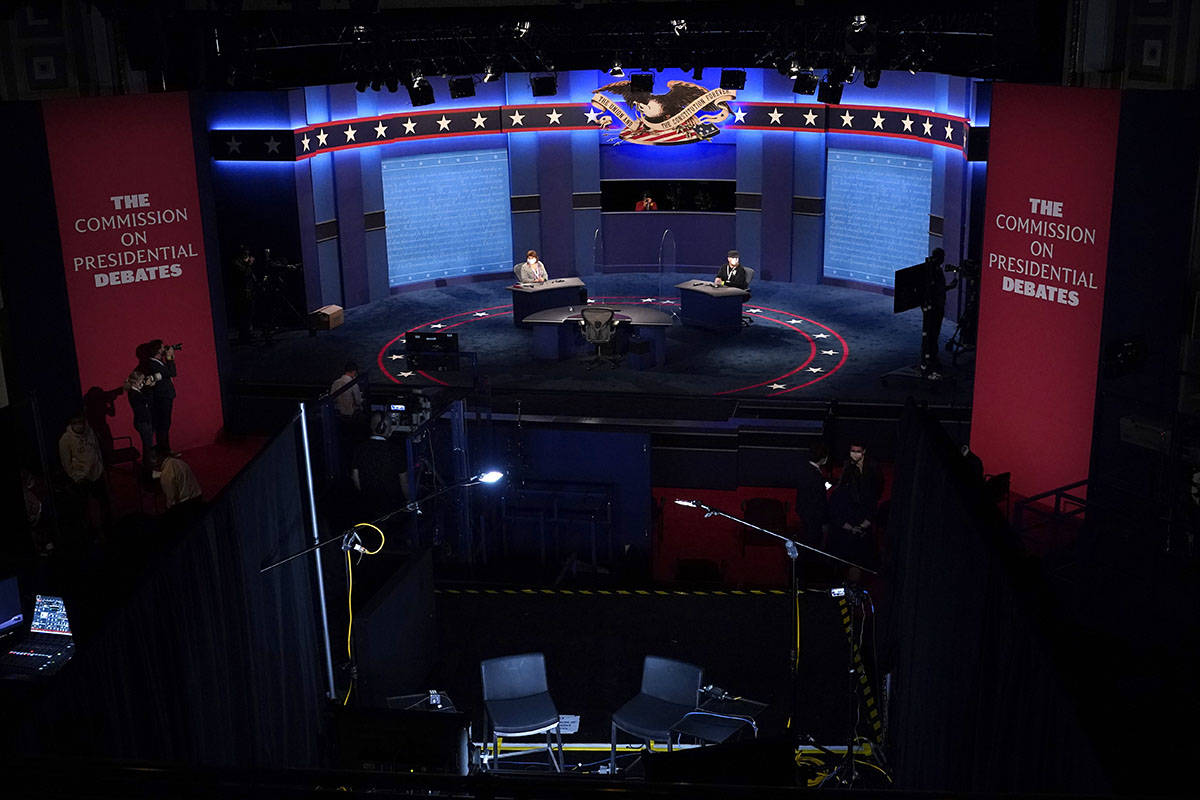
(10, 605)
(50, 616)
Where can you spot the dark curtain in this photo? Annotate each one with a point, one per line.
(209, 662)
(977, 704)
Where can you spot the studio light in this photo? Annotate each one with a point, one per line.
(544, 85)
(805, 83)
(521, 28)
(871, 77)
(392, 82)
(698, 73)
(733, 79)
(376, 83)
(829, 93)
(361, 86)
(858, 23)
(642, 81)
(491, 476)
(679, 26)
(462, 87)
(615, 70)
(420, 93)
(490, 73)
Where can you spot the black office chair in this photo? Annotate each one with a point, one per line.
(746, 318)
(599, 325)
(670, 690)
(518, 702)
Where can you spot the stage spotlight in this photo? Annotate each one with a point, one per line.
(733, 79)
(679, 26)
(698, 73)
(521, 28)
(858, 23)
(840, 72)
(829, 93)
(376, 83)
(805, 83)
(361, 86)
(392, 83)
(490, 73)
(462, 87)
(420, 93)
(615, 69)
(641, 82)
(544, 85)
(871, 77)
(491, 476)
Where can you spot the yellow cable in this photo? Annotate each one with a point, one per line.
(350, 600)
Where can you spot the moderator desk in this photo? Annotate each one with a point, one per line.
(707, 306)
(557, 333)
(530, 298)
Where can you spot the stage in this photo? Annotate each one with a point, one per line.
(807, 343)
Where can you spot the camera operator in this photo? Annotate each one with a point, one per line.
(161, 366)
(244, 292)
(933, 311)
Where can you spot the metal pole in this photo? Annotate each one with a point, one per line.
(316, 534)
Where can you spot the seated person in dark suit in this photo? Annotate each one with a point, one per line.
(732, 273)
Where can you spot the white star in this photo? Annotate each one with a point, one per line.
(847, 118)
(517, 117)
(479, 119)
(949, 131)
(907, 123)
(409, 126)
(404, 374)
(820, 335)
(480, 314)
(794, 321)
(554, 116)
(305, 141)
(350, 132)
(815, 369)
(395, 357)
(928, 126)
(380, 130)
(592, 116)
(753, 310)
(878, 120)
(321, 137)
(273, 145)
(775, 116)
(829, 352)
(739, 115)
(234, 145)
(777, 386)
(647, 299)
(810, 117)
(443, 123)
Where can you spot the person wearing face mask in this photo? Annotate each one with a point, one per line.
(853, 506)
(79, 453)
(531, 270)
(732, 273)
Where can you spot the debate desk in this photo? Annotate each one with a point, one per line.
(530, 298)
(558, 334)
(704, 305)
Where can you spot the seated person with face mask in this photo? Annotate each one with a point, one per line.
(732, 273)
(531, 270)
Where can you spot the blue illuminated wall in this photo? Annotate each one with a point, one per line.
(876, 214)
(337, 212)
(448, 215)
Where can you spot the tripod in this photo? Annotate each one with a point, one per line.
(964, 337)
(792, 547)
(846, 772)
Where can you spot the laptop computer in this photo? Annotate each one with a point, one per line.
(48, 643)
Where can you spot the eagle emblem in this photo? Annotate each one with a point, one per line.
(686, 113)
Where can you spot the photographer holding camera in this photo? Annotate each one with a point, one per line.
(161, 367)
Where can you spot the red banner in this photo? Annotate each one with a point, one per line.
(1045, 252)
(133, 248)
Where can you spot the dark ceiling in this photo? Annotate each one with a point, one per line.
(236, 44)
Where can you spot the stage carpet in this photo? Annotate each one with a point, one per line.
(807, 343)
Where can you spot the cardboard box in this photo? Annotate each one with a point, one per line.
(325, 318)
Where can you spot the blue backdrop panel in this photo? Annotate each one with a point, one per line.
(447, 215)
(877, 214)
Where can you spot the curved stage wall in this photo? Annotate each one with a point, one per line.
(301, 172)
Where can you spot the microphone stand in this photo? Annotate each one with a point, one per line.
(792, 547)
